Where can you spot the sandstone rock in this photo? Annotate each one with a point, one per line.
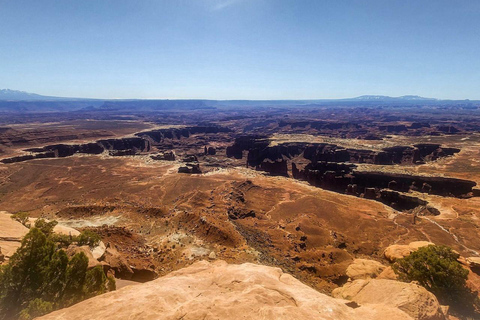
(118, 264)
(388, 274)
(221, 291)
(415, 245)
(474, 262)
(11, 229)
(167, 156)
(61, 229)
(413, 299)
(398, 251)
(190, 167)
(92, 262)
(11, 234)
(99, 250)
(364, 269)
(212, 255)
(9, 248)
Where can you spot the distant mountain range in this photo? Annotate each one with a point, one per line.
(16, 95)
(21, 101)
(387, 98)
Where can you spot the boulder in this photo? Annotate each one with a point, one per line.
(99, 250)
(415, 245)
(364, 269)
(218, 290)
(398, 251)
(117, 263)
(212, 255)
(388, 273)
(413, 299)
(474, 263)
(92, 262)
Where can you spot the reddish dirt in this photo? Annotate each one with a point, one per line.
(169, 220)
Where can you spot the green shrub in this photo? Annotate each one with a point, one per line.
(88, 237)
(45, 227)
(36, 308)
(63, 240)
(111, 283)
(96, 281)
(21, 217)
(39, 277)
(436, 268)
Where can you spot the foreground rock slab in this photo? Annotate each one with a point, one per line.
(221, 291)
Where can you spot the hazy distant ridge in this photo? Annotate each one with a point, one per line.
(17, 95)
(388, 98)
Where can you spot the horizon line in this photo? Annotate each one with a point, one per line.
(239, 99)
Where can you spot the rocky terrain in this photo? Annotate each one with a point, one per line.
(247, 291)
(313, 190)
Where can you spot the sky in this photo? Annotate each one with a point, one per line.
(241, 49)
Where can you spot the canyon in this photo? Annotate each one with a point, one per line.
(307, 189)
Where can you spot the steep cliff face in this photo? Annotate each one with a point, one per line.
(333, 153)
(124, 146)
(135, 144)
(341, 177)
(332, 167)
(247, 143)
(142, 142)
(158, 136)
(259, 150)
(404, 183)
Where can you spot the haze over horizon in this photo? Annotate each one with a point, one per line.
(241, 49)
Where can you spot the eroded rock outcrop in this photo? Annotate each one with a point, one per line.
(364, 269)
(159, 135)
(190, 167)
(398, 251)
(221, 291)
(167, 156)
(115, 147)
(332, 167)
(259, 149)
(413, 299)
(474, 264)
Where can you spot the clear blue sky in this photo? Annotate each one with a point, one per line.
(241, 49)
